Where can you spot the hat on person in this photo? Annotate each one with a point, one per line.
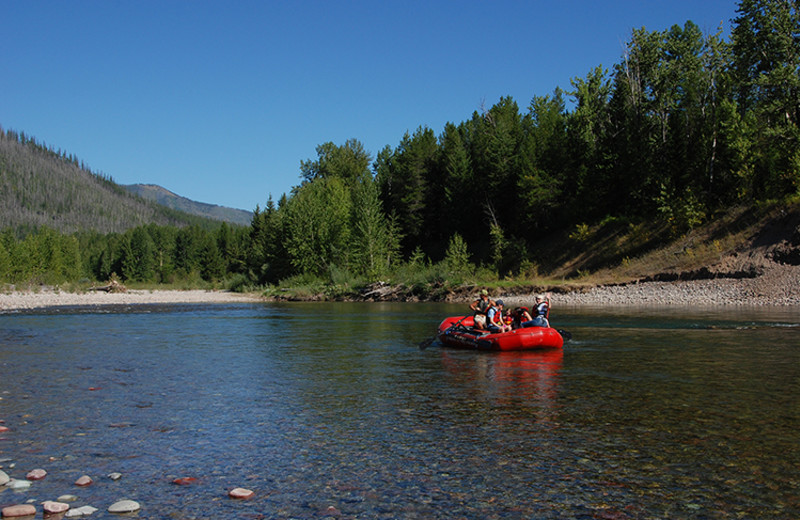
(540, 297)
(499, 302)
(484, 293)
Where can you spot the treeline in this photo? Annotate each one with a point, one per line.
(150, 253)
(683, 127)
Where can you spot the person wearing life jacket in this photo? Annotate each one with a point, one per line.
(479, 308)
(494, 318)
(519, 316)
(541, 312)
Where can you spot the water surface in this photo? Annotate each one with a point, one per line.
(331, 410)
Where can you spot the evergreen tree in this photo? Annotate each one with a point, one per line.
(138, 259)
(374, 244)
(461, 193)
(766, 45)
(212, 263)
(404, 176)
(592, 157)
(317, 223)
(5, 262)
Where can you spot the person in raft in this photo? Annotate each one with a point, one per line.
(541, 312)
(494, 318)
(519, 316)
(479, 308)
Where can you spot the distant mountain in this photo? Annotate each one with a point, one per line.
(43, 187)
(166, 198)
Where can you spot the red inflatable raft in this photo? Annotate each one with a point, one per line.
(457, 331)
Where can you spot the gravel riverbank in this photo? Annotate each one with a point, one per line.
(779, 285)
(27, 300)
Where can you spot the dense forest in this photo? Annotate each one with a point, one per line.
(684, 127)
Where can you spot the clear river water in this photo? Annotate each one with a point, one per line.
(331, 410)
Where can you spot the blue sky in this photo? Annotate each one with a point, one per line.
(220, 101)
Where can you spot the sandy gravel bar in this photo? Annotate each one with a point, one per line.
(25, 300)
(777, 286)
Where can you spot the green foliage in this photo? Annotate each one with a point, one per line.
(348, 162)
(456, 259)
(682, 213)
(404, 178)
(138, 258)
(582, 233)
(375, 239)
(317, 223)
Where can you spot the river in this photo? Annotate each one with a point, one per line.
(332, 410)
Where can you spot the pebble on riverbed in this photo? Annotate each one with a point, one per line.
(36, 474)
(18, 484)
(84, 481)
(241, 493)
(18, 510)
(80, 511)
(124, 506)
(54, 508)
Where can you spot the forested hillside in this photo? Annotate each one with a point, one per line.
(171, 200)
(43, 187)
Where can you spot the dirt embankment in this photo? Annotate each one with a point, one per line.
(762, 268)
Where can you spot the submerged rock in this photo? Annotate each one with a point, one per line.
(240, 493)
(53, 508)
(36, 474)
(18, 484)
(124, 506)
(80, 511)
(84, 481)
(4, 478)
(19, 510)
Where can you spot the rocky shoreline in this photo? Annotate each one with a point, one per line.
(777, 286)
(49, 297)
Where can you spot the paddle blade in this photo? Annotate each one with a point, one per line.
(564, 334)
(426, 343)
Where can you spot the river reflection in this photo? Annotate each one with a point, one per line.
(332, 411)
(525, 378)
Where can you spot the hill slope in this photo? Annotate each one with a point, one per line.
(39, 187)
(167, 198)
(749, 255)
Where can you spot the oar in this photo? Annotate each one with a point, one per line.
(427, 343)
(564, 334)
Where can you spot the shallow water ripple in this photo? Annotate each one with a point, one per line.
(331, 410)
